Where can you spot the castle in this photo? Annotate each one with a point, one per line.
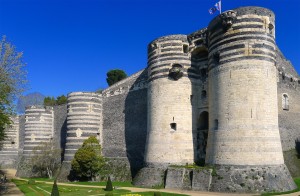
(224, 95)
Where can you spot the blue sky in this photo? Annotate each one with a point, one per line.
(69, 45)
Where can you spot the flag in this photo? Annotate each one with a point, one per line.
(215, 8)
(218, 6)
(212, 10)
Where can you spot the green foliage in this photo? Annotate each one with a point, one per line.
(51, 101)
(54, 191)
(31, 181)
(109, 186)
(88, 161)
(12, 81)
(61, 100)
(157, 194)
(48, 162)
(114, 76)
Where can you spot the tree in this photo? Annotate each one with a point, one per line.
(114, 76)
(61, 100)
(51, 101)
(54, 191)
(109, 186)
(88, 161)
(12, 81)
(29, 99)
(46, 159)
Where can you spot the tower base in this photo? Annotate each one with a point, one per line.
(219, 178)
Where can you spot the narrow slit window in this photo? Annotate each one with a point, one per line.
(285, 102)
(185, 48)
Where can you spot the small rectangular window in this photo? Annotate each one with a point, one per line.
(185, 49)
(173, 126)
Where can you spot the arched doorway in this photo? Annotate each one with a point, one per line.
(201, 141)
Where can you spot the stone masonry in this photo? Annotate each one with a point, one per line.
(224, 96)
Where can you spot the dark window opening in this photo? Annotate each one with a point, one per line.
(216, 124)
(216, 57)
(203, 121)
(199, 42)
(292, 80)
(283, 76)
(285, 102)
(173, 126)
(185, 49)
(12, 142)
(203, 94)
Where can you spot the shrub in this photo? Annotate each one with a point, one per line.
(109, 186)
(55, 191)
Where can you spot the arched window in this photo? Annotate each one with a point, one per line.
(285, 101)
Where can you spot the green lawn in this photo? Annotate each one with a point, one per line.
(115, 184)
(43, 189)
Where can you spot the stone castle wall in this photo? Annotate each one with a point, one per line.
(216, 95)
(288, 103)
(125, 120)
(10, 146)
(39, 127)
(170, 123)
(243, 109)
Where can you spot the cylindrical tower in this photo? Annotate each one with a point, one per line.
(10, 145)
(170, 137)
(84, 119)
(39, 127)
(243, 112)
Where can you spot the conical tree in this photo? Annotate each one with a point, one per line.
(109, 186)
(55, 191)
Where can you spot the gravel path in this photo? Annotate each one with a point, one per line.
(11, 188)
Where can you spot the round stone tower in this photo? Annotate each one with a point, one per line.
(10, 146)
(243, 113)
(39, 127)
(84, 119)
(169, 139)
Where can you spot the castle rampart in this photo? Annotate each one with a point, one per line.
(223, 95)
(84, 119)
(39, 127)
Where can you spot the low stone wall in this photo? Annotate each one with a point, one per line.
(235, 179)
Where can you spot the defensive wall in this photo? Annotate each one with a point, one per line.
(224, 95)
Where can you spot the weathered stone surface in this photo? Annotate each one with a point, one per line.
(243, 179)
(223, 109)
(150, 177)
(179, 178)
(201, 179)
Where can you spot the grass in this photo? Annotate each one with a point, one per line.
(115, 184)
(43, 189)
